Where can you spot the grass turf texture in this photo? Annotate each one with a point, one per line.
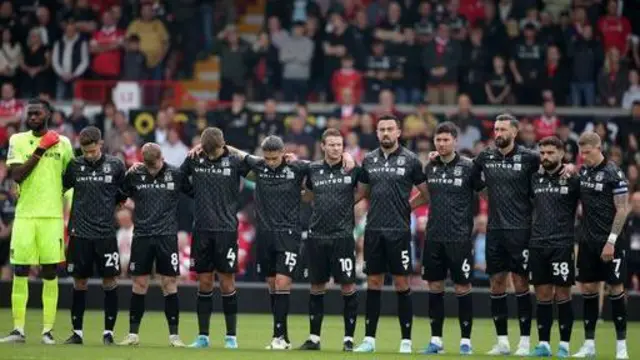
(255, 333)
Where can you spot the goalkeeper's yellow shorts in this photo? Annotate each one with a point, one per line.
(37, 241)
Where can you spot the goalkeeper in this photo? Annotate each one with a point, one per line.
(37, 159)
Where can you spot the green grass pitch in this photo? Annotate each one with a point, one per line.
(254, 332)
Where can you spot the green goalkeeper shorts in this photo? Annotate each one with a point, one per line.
(37, 241)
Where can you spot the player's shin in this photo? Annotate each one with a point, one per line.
(405, 313)
(350, 313)
(49, 297)
(619, 314)
(110, 306)
(436, 314)
(230, 309)
(499, 313)
(316, 313)
(465, 315)
(137, 306)
(78, 306)
(544, 318)
(171, 305)
(372, 312)
(590, 315)
(19, 298)
(565, 320)
(282, 299)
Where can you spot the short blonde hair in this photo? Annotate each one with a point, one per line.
(589, 138)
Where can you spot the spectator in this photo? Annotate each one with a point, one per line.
(277, 34)
(316, 34)
(633, 237)
(134, 62)
(633, 51)
(174, 150)
(586, 55)
(531, 18)
(77, 119)
(526, 65)
(347, 115)
(362, 32)
(580, 21)
(11, 111)
(10, 55)
(202, 118)
(267, 71)
(424, 25)
(418, 125)
(300, 136)
(389, 31)
(550, 32)
(86, 17)
(114, 137)
(161, 131)
(494, 31)
(476, 61)
(441, 59)
(468, 123)
(498, 85)
(633, 92)
(295, 55)
(409, 88)
(555, 78)
(381, 69)
(367, 133)
(339, 42)
(234, 56)
(130, 150)
(347, 78)
(154, 39)
(570, 145)
(615, 28)
(548, 123)
(35, 65)
(8, 19)
(70, 60)
(105, 119)
(270, 122)
(386, 106)
(106, 47)
(612, 81)
(527, 135)
(237, 123)
(49, 31)
(458, 23)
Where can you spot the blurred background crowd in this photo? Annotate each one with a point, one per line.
(237, 61)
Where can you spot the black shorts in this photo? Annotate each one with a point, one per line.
(277, 252)
(591, 268)
(214, 251)
(552, 266)
(5, 245)
(163, 250)
(83, 254)
(387, 251)
(327, 257)
(507, 251)
(440, 256)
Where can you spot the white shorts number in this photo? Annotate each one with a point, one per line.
(231, 256)
(346, 264)
(560, 268)
(112, 260)
(405, 258)
(174, 259)
(617, 263)
(465, 266)
(290, 259)
(525, 255)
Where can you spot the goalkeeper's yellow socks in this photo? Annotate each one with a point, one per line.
(19, 297)
(49, 304)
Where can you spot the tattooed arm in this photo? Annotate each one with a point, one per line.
(621, 202)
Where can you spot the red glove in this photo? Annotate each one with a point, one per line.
(49, 139)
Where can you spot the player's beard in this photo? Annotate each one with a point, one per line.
(549, 165)
(387, 143)
(502, 142)
(36, 128)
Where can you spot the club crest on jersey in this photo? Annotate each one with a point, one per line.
(375, 160)
(517, 158)
(563, 182)
(225, 162)
(401, 160)
(106, 168)
(82, 168)
(599, 176)
(321, 171)
(143, 177)
(201, 160)
(168, 177)
(620, 174)
(343, 171)
(457, 171)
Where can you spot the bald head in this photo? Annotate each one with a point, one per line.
(152, 156)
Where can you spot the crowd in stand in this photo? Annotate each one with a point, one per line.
(460, 52)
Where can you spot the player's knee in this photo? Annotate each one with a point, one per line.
(590, 288)
(436, 286)
(520, 283)
(348, 289)
(48, 272)
(169, 285)
(282, 282)
(140, 284)
(317, 288)
(460, 288)
(375, 282)
(271, 283)
(563, 294)
(227, 283)
(21, 270)
(544, 293)
(109, 282)
(205, 282)
(615, 290)
(81, 284)
(401, 283)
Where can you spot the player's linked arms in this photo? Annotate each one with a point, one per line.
(362, 192)
(421, 198)
(621, 202)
